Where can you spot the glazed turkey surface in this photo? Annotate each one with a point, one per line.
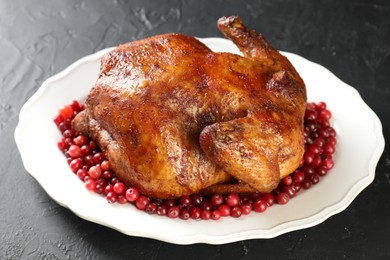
(175, 118)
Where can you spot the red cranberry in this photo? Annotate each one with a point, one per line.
(88, 160)
(329, 149)
(316, 161)
(98, 158)
(245, 198)
(132, 194)
(58, 119)
(236, 212)
(332, 132)
(195, 212)
(321, 171)
(185, 200)
(86, 150)
(323, 132)
(142, 202)
(310, 106)
(308, 157)
(311, 115)
(101, 181)
(308, 169)
(76, 164)
(205, 205)
(287, 180)
(331, 140)
(81, 173)
(69, 141)
(321, 105)
(289, 190)
(215, 214)
(319, 142)
(74, 151)
(95, 172)
(315, 149)
(115, 180)
(65, 111)
(62, 145)
(328, 163)
(312, 125)
(80, 140)
(105, 165)
(75, 106)
(306, 135)
(325, 115)
(282, 198)
(100, 186)
(63, 126)
(158, 201)
(68, 159)
(162, 210)
(111, 197)
(122, 199)
(297, 187)
(306, 184)
(151, 208)
(246, 208)
(314, 178)
(196, 199)
(173, 212)
(69, 133)
(119, 188)
(325, 124)
(225, 210)
(206, 214)
(269, 199)
(90, 185)
(299, 176)
(93, 145)
(232, 200)
(108, 189)
(108, 174)
(216, 200)
(259, 205)
(184, 214)
(170, 202)
(86, 178)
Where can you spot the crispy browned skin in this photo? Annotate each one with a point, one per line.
(175, 118)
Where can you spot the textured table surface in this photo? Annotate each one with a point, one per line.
(39, 38)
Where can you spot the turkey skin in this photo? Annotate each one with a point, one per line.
(175, 118)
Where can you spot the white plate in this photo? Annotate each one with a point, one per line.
(360, 144)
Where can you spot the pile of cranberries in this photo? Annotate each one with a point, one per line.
(87, 161)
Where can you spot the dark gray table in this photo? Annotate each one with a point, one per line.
(39, 38)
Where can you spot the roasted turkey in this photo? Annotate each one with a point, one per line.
(175, 118)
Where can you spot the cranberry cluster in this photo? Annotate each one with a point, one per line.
(87, 161)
